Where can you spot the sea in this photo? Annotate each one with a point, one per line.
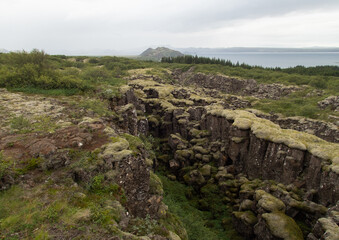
(279, 59)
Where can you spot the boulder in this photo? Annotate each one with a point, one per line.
(276, 226)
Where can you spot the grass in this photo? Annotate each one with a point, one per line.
(20, 124)
(261, 75)
(37, 213)
(97, 106)
(296, 104)
(199, 224)
(47, 92)
(42, 123)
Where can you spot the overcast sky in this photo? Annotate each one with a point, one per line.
(64, 25)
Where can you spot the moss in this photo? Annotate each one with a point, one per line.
(330, 228)
(125, 108)
(206, 170)
(282, 226)
(199, 141)
(186, 153)
(165, 105)
(178, 137)
(124, 89)
(222, 174)
(200, 149)
(155, 184)
(267, 130)
(153, 119)
(135, 143)
(139, 93)
(182, 121)
(202, 98)
(242, 123)
(246, 217)
(269, 202)
(306, 206)
(117, 144)
(194, 177)
(184, 102)
(206, 158)
(117, 150)
(237, 139)
(173, 236)
(199, 133)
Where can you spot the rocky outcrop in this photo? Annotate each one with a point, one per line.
(325, 130)
(234, 85)
(332, 102)
(238, 142)
(252, 145)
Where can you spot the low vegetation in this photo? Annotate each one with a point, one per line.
(210, 224)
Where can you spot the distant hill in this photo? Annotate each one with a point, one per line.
(199, 51)
(2, 50)
(158, 53)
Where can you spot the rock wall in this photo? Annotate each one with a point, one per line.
(255, 156)
(247, 150)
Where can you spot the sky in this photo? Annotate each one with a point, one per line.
(129, 26)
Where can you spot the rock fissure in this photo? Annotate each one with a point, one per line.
(249, 154)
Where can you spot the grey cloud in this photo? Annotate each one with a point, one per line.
(217, 13)
(69, 24)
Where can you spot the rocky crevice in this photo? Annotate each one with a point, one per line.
(199, 137)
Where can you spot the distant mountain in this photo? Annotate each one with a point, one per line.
(197, 51)
(158, 53)
(2, 50)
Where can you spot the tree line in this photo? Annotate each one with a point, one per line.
(311, 71)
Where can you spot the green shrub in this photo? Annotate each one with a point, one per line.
(99, 186)
(6, 166)
(146, 226)
(21, 124)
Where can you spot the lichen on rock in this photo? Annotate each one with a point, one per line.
(282, 226)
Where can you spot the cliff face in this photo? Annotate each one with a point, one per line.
(201, 134)
(214, 84)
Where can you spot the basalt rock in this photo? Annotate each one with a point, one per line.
(276, 226)
(325, 130)
(331, 101)
(234, 85)
(238, 142)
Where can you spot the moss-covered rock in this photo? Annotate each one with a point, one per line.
(265, 129)
(185, 154)
(153, 120)
(155, 184)
(269, 202)
(326, 229)
(195, 133)
(206, 158)
(116, 151)
(206, 170)
(282, 226)
(194, 177)
(200, 149)
(246, 217)
(307, 206)
(247, 204)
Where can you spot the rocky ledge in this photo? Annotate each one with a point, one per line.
(234, 85)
